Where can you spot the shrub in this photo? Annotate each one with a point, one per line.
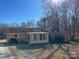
(77, 39)
(13, 41)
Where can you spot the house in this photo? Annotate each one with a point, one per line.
(28, 35)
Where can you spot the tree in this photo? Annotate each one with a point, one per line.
(52, 15)
(30, 24)
(61, 17)
(24, 25)
(3, 27)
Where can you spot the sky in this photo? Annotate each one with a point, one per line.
(17, 11)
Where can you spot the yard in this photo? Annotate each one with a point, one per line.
(41, 52)
(55, 52)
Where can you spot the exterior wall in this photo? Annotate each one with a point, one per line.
(11, 35)
(3, 37)
(21, 37)
(37, 40)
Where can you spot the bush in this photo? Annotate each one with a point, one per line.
(13, 41)
(77, 39)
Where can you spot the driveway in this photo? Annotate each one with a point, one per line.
(5, 53)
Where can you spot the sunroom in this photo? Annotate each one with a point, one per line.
(38, 37)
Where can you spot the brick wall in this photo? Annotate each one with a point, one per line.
(21, 37)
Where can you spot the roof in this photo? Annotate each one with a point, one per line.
(24, 30)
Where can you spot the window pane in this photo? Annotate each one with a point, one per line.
(40, 36)
(15, 35)
(35, 37)
(44, 37)
(28, 37)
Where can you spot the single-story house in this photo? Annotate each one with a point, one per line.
(33, 35)
(30, 36)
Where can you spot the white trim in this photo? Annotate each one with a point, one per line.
(36, 32)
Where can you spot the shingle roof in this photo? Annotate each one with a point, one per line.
(19, 30)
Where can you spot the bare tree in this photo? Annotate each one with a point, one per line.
(61, 17)
(52, 14)
(30, 24)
